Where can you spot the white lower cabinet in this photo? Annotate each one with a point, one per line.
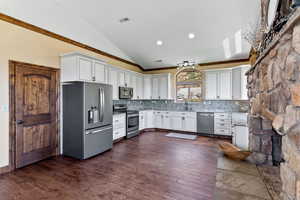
(158, 119)
(183, 121)
(176, 122)
(190, 122)
(119, 126)
(222, 124)
(142, 120)
(167, 120)
(149, 119)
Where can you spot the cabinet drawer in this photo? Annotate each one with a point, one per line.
(223, 115)
(223, 132)
(224, 121)
(118, 133)
(117, 119)
(222, 126)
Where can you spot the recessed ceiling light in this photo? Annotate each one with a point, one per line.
(123, 20)
(159, 42)
(192, 35)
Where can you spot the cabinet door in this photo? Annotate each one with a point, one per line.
(176, 122)
(128, 78)
(133, 85)
(224, 84)
(167, 122)
(244, 89)
(149, 119)
(85, 69)
(163, 87)
(142, 121)
(140, 87)
(211, 85)
(236, 83)
(190, 124)
(114, 81)
(99, 72)
(158, 120)
(155, 87)
(122, 78)
(147, 87)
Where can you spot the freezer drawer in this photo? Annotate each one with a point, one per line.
(97, 141)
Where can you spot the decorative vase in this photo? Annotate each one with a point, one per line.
(296, 3)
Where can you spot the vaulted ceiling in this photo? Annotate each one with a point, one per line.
(218, 27)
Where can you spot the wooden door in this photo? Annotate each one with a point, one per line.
(36, 113)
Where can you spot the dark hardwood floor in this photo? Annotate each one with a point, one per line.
(149, 167)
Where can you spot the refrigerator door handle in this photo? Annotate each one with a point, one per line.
(102, 102)
(98, 131)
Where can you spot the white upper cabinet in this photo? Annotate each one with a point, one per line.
(147, 87)
(211, 85)
(100, 72)
(236, 83)
(163, 88)
(85, 69)
(127, 79)
(155, 87)
(239, 83)
(113, 79)
(78, 67)
(218, 84)
(122, 78)
(140, 87)
(224, 85)
(244, 82)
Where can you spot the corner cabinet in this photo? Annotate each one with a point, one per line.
(239, 83)
(78, 67)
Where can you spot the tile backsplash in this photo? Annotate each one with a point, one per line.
(204, 106)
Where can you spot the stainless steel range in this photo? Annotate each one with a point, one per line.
(132, 123)
(132, 117)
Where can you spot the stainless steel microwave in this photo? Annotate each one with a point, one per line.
(125, 93)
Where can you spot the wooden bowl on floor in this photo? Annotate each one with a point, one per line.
(233, 152)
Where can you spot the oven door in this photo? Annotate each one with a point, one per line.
(132, 122)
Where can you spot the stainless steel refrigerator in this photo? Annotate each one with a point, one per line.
(87, 119)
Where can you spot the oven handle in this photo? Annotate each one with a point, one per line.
(133, 115)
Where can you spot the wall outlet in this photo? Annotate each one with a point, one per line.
(4, 108)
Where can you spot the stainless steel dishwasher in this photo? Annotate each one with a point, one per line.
(205, 122)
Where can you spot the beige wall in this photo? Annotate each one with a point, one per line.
(19, 44)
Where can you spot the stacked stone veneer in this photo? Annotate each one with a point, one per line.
(274, 92)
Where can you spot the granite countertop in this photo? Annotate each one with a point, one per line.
(212, 110)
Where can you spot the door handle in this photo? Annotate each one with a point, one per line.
(19, 122)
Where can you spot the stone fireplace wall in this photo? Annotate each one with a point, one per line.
(274, 92)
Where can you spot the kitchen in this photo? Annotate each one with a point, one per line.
(94, 109)
(144, 102)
